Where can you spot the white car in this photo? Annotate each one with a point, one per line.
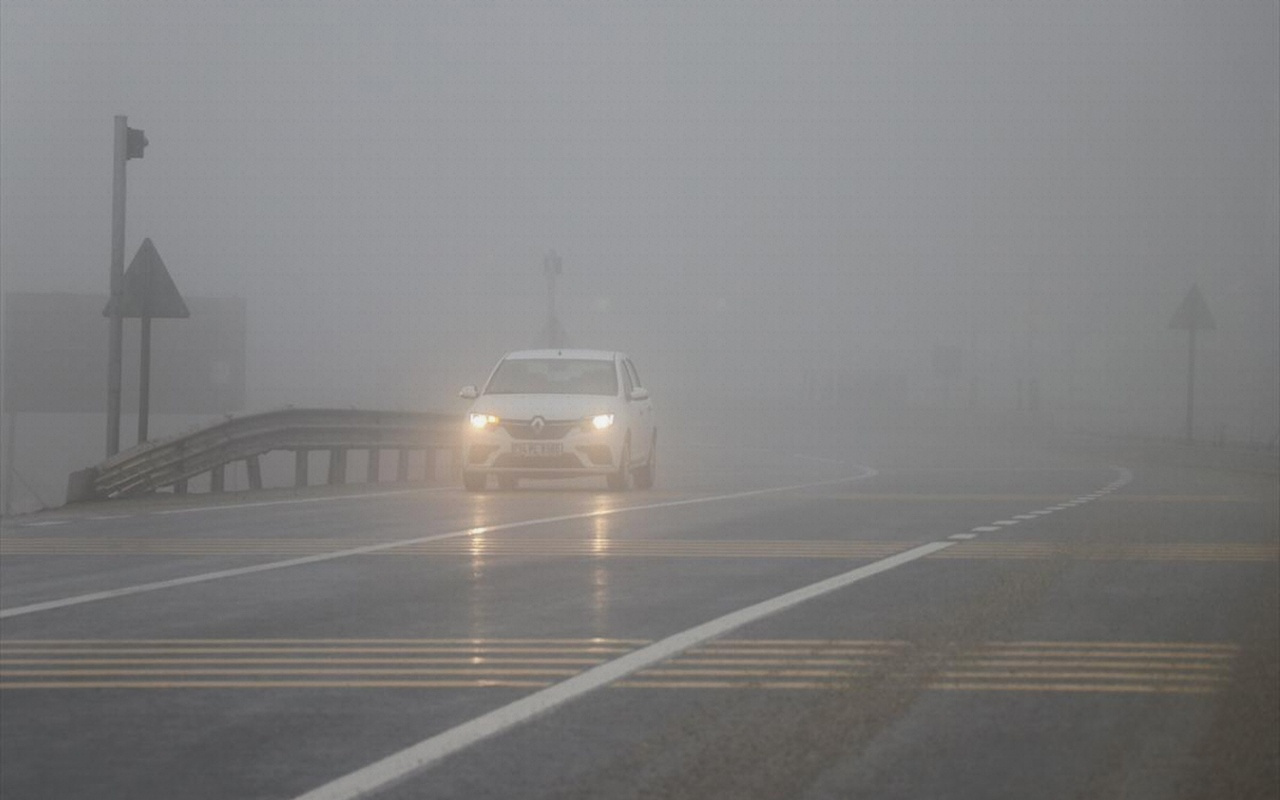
(560, 414)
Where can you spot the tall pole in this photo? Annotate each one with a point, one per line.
(1191, 382)
(551, 265)
(115, 357)
(144, 381)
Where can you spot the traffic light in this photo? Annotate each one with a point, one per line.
(135, 143)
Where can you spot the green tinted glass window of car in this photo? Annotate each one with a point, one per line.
(554, 376)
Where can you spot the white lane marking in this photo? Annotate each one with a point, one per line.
(1005, 522)
(421, 755)
(963, 536)
(232, 506)
(298, 500)
(125, 591)
(1025, 516)
(985, 529)
(820, 459)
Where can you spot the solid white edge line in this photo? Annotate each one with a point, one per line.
(298, 500)
(421, 755)
(125, 591)
(141, 512)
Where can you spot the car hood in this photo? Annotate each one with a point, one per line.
(547, 406)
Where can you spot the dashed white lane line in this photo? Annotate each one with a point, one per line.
(985, 529)
(423, 754)
(1005, 522)
(125, 591)
(44, 524)
(963, 536)
(1024, 516)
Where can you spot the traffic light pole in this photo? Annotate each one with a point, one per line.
(115, 354)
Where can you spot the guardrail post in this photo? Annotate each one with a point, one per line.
(372, 472)
(455, 454)
(301, 461)
(428, 464)
(337, 466)
(80, 487)
(402, 465)
(218, 478)
(255, 472)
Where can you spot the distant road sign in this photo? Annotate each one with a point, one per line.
(149, 291)
(55, 347)
(1193, 314)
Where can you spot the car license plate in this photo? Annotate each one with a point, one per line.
(537, 448)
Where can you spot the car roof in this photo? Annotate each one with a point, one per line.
(600, 355)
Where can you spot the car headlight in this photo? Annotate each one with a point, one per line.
(601, 421)
(483, 421)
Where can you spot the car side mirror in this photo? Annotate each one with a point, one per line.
(639, 393)
(469, 392)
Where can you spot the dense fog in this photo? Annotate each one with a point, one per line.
(842, 212)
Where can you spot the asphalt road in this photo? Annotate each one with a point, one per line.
(765, 624)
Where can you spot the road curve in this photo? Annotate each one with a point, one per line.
(763, 625)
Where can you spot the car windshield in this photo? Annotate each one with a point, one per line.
(554, 376)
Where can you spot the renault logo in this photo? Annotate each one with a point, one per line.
(538, 424)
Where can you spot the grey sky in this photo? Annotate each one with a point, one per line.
(1038, 181)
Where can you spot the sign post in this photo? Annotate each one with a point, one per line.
(129, 143)
(552, 267)
(148, 293)
(1191, 316)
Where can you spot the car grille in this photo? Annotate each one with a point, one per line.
(564, 461)
(550, 430)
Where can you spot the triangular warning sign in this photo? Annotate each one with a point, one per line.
(148, 289)
(1193, 314)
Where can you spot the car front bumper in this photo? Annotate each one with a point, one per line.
(578, 452)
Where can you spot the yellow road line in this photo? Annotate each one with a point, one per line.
(316, 684)
(935, 686)
(1103, 645)
(118, 673)
(1108, 675)
(804, 549)
(317, 650)
(1118, 688)
(1125, 688)
(594, 642)
(781, 664)
(1177, 664)
(1031, 499)
(474, 661)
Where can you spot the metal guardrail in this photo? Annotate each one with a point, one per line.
(172, 462)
